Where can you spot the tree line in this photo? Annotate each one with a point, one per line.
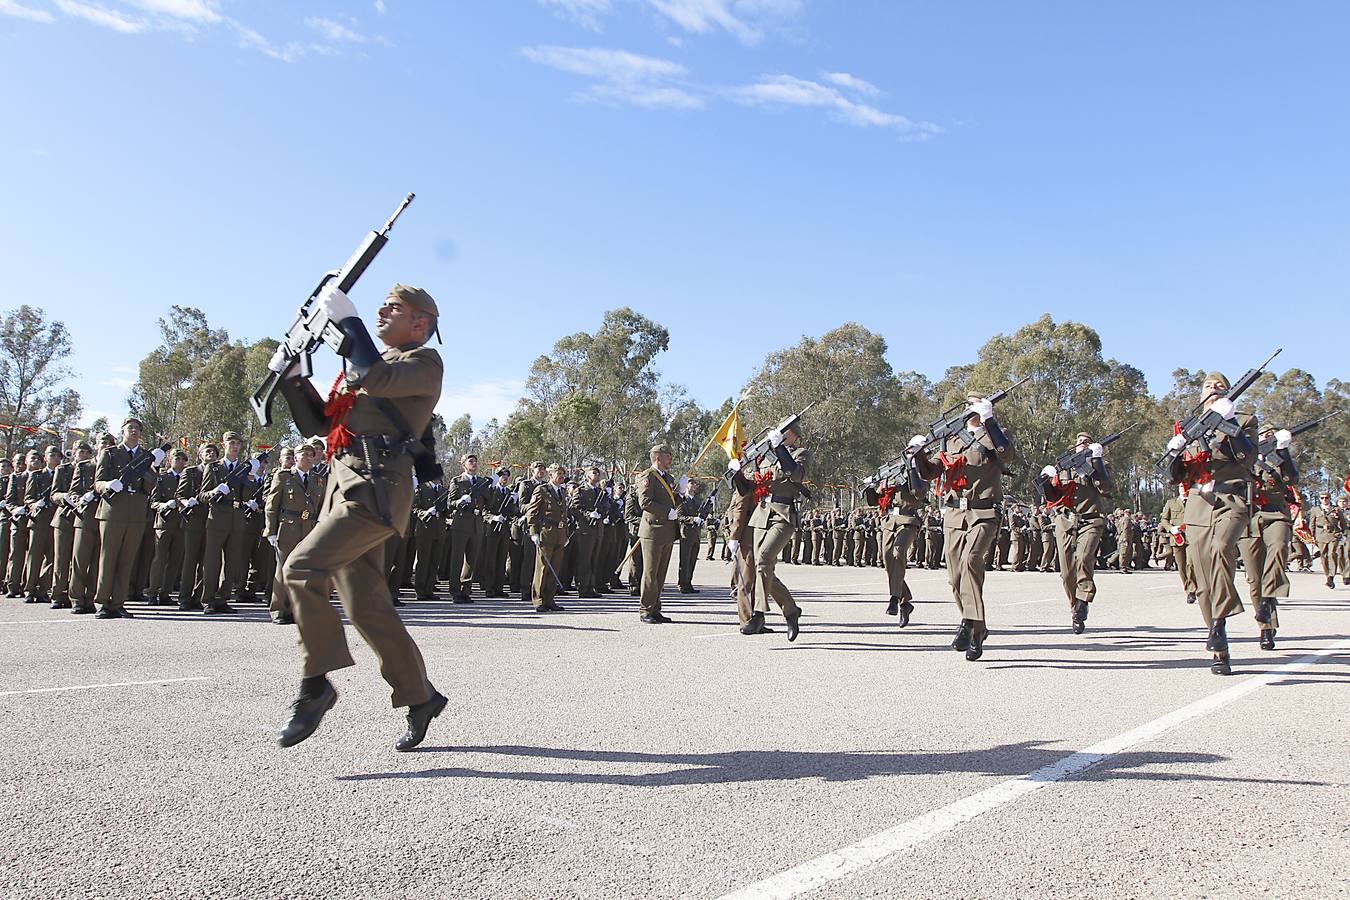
(598, 398)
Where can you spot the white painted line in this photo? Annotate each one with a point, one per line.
(1025, 602)
(882, 846)
(90, 687)
(43, 622)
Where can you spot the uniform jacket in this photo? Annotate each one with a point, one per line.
(132, 503)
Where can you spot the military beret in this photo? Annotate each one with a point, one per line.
(414, 297)
(231, 436)
(660, 448)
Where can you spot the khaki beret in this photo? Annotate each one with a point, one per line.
(414, 297)
(231, 436)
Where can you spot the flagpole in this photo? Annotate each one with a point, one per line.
(711, 440)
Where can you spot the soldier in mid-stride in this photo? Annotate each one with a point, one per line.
(375, 418)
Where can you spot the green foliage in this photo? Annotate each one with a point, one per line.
(32, 375)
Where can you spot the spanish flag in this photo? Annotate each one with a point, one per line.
(730, 436)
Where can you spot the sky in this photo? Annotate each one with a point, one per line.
(744, 172)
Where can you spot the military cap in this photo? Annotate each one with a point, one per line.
(231, 436)
(180, 453)
(504, 471)
(660, 448)
(1219, 376)
(129, 419)
(107, 438)
(537, 464)
(555, 467)
(414, 297)
(468, 456)
(210, 445)
(1083, 436)
(85, 445)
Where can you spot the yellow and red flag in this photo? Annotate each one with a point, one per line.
(730, 436)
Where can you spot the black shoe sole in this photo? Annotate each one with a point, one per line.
(435, 712)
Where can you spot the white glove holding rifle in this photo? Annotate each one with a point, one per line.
(335, 303)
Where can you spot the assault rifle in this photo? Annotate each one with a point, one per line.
(952, 422)
(1266, 449)
(761, 447)
(237, 475)
(1203, 423)
(312, 326)
(1079, 462)
(131, 472)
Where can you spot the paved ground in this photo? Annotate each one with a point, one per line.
(586, 754)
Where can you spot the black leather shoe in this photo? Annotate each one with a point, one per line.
(961, 642)
(463, 598)
(61, 604)
(1218, 637)
(109, 613)
(1220, 665)
(651, 619)
(1080, 613)
(794, 625)
(419, 719)
(1190, 598)
(893, 607)
(1267, 638)
(551, 607)
(977, 635)
(30, 598)
(1263, 610)
(906, 610)
(663, 619)
(589, 595)
(218, 609)
(190, 606)
(82, 610)
(1331, 583)
(306, 714)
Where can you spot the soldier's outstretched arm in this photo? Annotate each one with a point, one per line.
(416, 376)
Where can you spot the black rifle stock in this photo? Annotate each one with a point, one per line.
(313, 327)
(952, 422)
(1266, 449)
(1203, 423)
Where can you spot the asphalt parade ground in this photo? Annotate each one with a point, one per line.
(585, 754)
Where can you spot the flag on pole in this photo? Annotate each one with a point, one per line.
(730, 436)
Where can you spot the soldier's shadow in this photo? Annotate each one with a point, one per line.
(746, 766)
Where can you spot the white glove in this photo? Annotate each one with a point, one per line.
(606, 520)
(87, 498)
(983, 408)
(1096, 450)
(158, 454)
(1223, 406)
(272, 539)
(869, 481)
(917, 441)
(734, 465)
(169, 504)
(4, 504)
(499, 518)
(534, 538)
(1283, 439)
(222, 488)
(683, 484)
(1178, 442)
(336, 304)
(280, 362)
(775, 438)
(1048, 471)
(190, 502)
(593, 515)
(42, 504)
(115, 485)
(672, 515)
(496, 480)
(733, 545)
(254, 467)
(253, 505)
(698, 521)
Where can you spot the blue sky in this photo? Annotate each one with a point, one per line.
(742, 171)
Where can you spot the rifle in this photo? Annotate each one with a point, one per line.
(132, 471)
(1079, 462)
(237, 475)
(1203, 423)
(1266, 449)
(313, 327)
(952, 422)
(761, 447)
(501, 510)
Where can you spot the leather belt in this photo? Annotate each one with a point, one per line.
(782, 498)
(970, 504)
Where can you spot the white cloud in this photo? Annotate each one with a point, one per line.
(380, 7)
(703, 16)
(787, 90)
(621, 77)
(335, 32)
(19, 11)
(104, 18)
(483, 401)
(201, 11)
(852, 83)
(585, 13)
(123, 383)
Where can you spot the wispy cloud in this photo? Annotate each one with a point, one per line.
(102, 17)
(704, 16)
(123, 383)
(620, 77)
(585, 13)
(852, 83)
(483, 401)
(380, 7)
(335, 32)
(788, 90)
(19, 11)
